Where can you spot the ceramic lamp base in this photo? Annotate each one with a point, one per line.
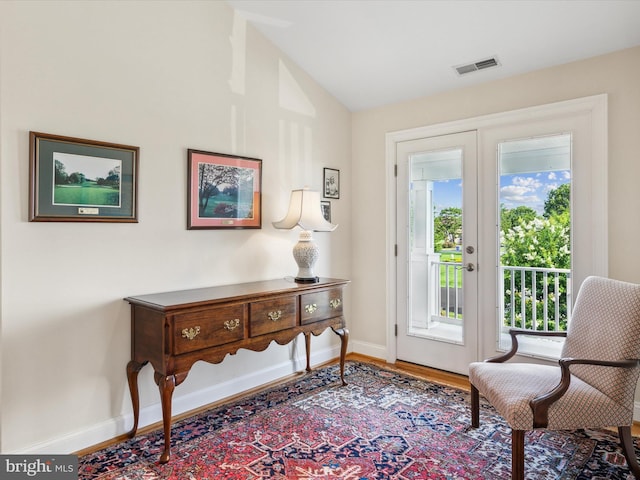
(305, 253)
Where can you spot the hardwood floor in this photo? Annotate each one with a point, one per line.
(430, 374)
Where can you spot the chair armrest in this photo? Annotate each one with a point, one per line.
(514, 332)
(540, 405)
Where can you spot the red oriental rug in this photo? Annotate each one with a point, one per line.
(383, 425)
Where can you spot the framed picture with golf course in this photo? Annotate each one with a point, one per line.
(224, 191)
(78, 180)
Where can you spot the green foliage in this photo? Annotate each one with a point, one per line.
(76, 178)
(446, 226)
(541, 242)
(61, 175)
(509, 218)
(558, 202)
(113, 179)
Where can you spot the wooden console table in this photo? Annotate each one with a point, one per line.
(173, 330)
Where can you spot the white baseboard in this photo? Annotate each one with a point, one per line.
(151, 414)
(369, 349)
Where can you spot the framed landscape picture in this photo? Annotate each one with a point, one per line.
(78, 180)
(224, 191)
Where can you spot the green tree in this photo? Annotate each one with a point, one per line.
(446, 225)
(61, 175)
(558, 201)
(76, 177)
(210, 178)
(510, 218)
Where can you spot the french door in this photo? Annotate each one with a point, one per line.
(459, 285)
(437, 241)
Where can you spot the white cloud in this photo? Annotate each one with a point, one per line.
(529, 182)
(513, 194)
(531, 190)
(514, 190)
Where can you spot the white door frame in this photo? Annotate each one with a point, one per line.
(419, 345)
(595, 106)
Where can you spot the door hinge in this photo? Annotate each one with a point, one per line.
(395, 170)
(395, 249)
(396, 329)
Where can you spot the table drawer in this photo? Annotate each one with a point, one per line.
(320, 305)
(207, 328)
(272, 315)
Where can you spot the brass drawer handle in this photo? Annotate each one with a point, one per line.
(311, 308)
(335, 303)
(232, 324)
(190, 333)
(275, 316)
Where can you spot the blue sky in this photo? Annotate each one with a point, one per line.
(529, 189)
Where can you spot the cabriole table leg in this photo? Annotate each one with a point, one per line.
(133, 368)
(343, 333)
(166, 384)
(307, 346)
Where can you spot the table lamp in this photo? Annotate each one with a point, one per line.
(305, 212)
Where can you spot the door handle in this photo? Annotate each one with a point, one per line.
(470, 267)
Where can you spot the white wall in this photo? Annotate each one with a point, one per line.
(164, 76)
(167, 76)
(615, 74)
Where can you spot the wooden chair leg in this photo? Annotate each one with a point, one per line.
(475, 407)
(517, 454)
(626, 441)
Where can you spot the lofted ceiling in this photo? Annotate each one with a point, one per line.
(369, 53)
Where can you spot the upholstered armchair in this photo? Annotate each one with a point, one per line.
(593, 384)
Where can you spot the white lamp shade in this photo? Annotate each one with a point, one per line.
(305, 211)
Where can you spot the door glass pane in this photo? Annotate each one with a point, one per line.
(435, 270)
(535, 239)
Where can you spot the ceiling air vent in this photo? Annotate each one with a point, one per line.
(474, 67)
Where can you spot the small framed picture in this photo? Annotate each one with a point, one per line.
(224, 191)
(331, 183)
(325, 205)
(77, 180)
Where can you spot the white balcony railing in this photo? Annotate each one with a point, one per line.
(532, 298)
(536, 298)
